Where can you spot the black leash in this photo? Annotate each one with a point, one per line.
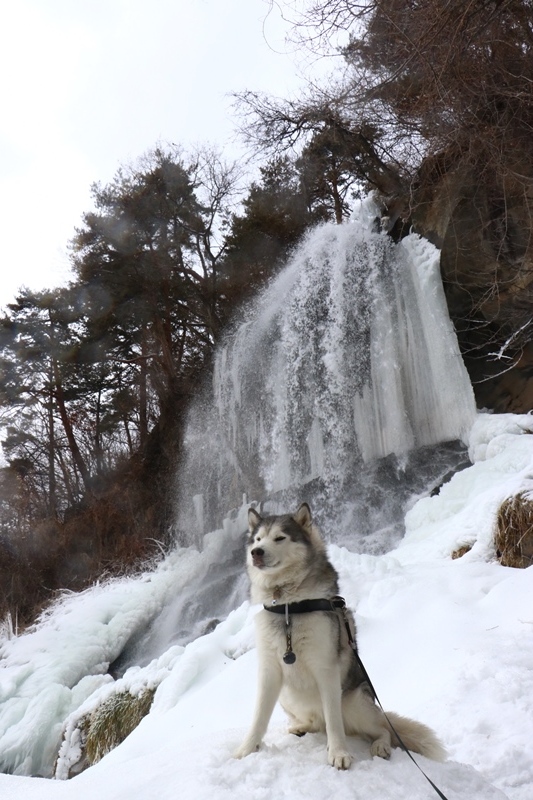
(393, 729)
(339, 604)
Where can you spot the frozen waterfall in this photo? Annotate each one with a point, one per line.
(348, 360)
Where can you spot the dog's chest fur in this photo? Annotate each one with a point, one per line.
(318, 638)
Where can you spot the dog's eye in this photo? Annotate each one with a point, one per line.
(279, 539)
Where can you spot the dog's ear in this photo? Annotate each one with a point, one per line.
(303, 516)
(253, 519)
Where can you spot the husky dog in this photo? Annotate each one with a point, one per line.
(306, 656)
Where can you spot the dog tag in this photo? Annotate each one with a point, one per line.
(289, 657)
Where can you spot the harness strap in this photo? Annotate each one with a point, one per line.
(305, 606)
(339, 604)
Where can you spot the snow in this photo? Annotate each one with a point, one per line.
(448, 642)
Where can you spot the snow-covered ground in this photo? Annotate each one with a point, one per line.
(449, 642)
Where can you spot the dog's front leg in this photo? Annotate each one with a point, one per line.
(329, 686)
(268, 693)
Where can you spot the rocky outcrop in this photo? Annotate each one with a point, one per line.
(484, 229)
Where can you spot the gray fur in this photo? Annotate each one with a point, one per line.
(325, 688)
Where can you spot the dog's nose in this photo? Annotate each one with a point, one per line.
(258, 551)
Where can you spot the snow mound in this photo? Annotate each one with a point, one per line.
(464, 511)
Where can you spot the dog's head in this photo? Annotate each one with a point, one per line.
(275, 542)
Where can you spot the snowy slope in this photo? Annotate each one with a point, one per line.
(447, 642)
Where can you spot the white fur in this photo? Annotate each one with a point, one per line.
(310, 690)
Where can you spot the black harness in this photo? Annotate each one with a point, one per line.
(337, 603)
(308, 605)
(303, 607)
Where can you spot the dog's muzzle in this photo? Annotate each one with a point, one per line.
(258, 557)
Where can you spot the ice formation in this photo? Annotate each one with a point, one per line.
(348, 357)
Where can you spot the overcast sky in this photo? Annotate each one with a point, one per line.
(86, 85)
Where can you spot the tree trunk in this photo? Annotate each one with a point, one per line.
(69, 432)
(143, 393)
(52, 484)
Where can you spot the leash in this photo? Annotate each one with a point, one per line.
(339, 604)
(401, 743)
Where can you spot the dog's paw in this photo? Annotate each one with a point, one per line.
(340, 760)
(380, 748)
(246, 748)
(297, 730)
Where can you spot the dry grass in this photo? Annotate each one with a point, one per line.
(513, 536)
(99, 731)
(461, 551)
(114, 720)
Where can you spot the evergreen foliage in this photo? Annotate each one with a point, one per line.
(275, 213)
(96, 377)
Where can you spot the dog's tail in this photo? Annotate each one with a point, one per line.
(415, 736)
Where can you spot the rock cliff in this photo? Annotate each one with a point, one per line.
(484, 230)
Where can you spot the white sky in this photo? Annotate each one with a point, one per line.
(86, 85)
